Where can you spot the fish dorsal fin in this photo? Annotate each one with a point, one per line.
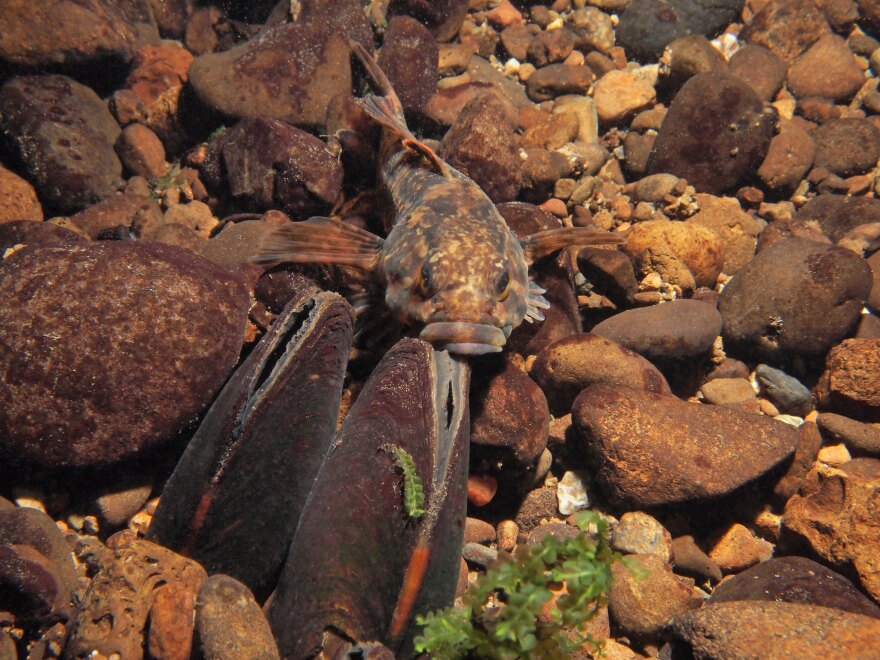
(542, 243)
(388, 110)
(320, 240)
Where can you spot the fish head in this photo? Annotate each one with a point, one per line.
(464, 285)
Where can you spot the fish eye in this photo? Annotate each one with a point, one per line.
(502, 286)
(425, 285)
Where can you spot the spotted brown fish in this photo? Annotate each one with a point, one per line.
(450, 266)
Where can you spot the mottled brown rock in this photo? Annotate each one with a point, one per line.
(861, 439)
(409, 59)
(549, 131)
(28, 232)
(141, 151)
(827, 70)
(18, 199)
(567, 366)
(738, 548)
(117, 503)
(540, 172)
(509, 419)
(689, 255)
(556, 79)
(650, 450)
(516, 40)
(480, 144)
(64, 135)
(734, 393)
(674, 330)
(778, 630)
(786, 27)
(638, 533)
(641, 606)
(795, 580)
(647, 26)
(834, 516)
(230, 623)
(686, 57)
(288, 72)
(847, 146)
(265, 163)
(794, 296)
(549, 47)
(122, 322)
(621, 94)
(737, 229)
(851, 381)
(689, 558)
(809, 443)
(134, 214)
(442, 17)
(760, 68)
(537, 504)
(789, 157)
(715, 134)
(116, 605)
(153, 92)
(610, 271)
(171, 622)
(837, 215)
(65, 32)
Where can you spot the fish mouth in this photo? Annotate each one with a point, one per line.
(464, 338)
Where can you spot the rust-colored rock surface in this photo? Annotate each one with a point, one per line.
(650, 450)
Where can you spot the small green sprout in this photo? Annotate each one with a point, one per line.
(217, 132)
(159, 185)
(413, 491)
(500, 617)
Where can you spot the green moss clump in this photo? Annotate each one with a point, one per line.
(521, 585)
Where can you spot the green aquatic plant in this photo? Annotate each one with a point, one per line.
(217, 132)
(413, 490)
(507, 612)
(159, 185)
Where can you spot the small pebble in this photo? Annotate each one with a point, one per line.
(478, 554)
(834, 455)
(481, 489)
(507, 533)
(638, 533)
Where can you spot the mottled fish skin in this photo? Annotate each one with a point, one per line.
(450, 257)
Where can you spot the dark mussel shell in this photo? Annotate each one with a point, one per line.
(235, 497)
(359, 566)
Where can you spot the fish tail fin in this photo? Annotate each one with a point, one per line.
(545, 242)
(388, 110)
(320, 240)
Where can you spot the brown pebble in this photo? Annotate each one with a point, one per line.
(507, 533)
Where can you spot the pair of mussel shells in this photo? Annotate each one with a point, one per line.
(311, 519)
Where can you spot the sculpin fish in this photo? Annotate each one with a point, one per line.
(450, 267)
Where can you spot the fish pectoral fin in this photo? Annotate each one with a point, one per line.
(388, 110)
(320, 240)
(545, 242)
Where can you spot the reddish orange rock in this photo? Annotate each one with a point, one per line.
(171, 623)
(481, 489)
(18, 199)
